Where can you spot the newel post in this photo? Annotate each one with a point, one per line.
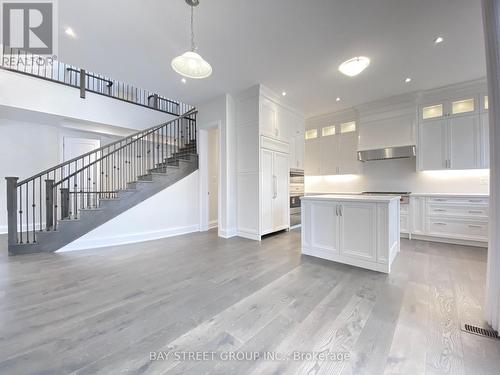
(12, 209)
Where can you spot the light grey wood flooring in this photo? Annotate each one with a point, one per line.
(103, 311)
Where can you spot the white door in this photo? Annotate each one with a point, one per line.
(329, 155)
(213, 177)
(312, 157)
(433, 144)
(485, 140)
(267, 196)
(281, 202)
(358, 230)
(348, 156)
(464, 141)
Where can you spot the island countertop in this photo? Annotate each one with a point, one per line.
(351, 198)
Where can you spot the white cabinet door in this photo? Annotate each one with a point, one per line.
(284, 124)
(299, 151)
(464, 141)
(404, 223)
(329, 155)
(417, 215)
(322, 230)
(293, 153)
(348, 156)
(484, 146)
(358, 230)
(281, 201)
(432, 148)
(267, 195)
(312, 157)
(268, 119)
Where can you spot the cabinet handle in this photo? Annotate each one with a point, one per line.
(439, 210)
(440, 200)
(440, 224)
(475, 226)
(340, 209)
(474, 200)
(475, 212)
(337, 210)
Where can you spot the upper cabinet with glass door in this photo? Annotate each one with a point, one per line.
(449, 108)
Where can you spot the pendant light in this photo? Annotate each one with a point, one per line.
(190, 64)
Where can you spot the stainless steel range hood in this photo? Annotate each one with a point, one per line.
(399, 152)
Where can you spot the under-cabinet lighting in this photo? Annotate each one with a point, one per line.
(340, 177)
(447, 173)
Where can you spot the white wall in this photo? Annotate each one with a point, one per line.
(220, 111)
(27, 148)
(401, 175)
(171, 212)
(34, 94)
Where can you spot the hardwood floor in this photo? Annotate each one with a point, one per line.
(103, 311)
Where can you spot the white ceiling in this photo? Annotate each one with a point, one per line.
(291, 45)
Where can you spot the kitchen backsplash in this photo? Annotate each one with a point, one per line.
(400, 175)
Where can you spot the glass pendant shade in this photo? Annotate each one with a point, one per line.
(191, 65)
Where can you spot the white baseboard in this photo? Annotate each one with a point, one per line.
(83, 244)
(251, 235)
(452, 241)
(3, 229)
(227, 233)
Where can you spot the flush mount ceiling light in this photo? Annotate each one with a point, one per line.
(338, 99)
(190, 64)
(354, 66)
(408, 80)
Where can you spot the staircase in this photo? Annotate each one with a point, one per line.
(55, 207)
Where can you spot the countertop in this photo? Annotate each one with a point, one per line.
(351, 198)
(456, 195)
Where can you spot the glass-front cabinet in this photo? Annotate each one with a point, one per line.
(453, 134)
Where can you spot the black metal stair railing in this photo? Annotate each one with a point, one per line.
(36, 204)
(55, 71)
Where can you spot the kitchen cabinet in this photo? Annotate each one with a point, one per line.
(312, 159)
(450, 218)
(484, 127)
(355, 219)
(358, 230)
(274, 195)
(333, 153)
(450, 135)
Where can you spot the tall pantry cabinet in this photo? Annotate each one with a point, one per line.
(267, 147)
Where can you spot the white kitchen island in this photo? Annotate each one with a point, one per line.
(359, 230)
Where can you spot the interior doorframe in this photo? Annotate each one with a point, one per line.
(203, 175)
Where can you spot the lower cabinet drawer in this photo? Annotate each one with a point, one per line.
(461, 200)
(472, 212)
(458, 229)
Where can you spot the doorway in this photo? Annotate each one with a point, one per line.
(209, 145)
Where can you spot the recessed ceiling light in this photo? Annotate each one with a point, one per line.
(183, 80)
(338, 99)
(408, 80)
(354, 66)
(438, 40)
(69, 31)
(283, 93)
